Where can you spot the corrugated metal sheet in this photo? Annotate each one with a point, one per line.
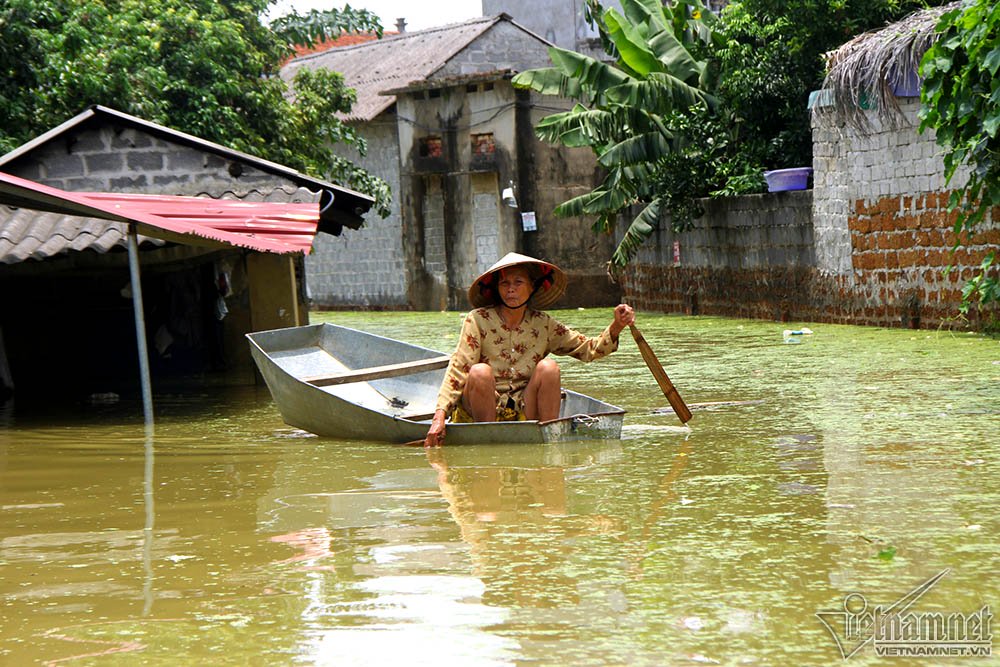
(392, 62)
(277, 227)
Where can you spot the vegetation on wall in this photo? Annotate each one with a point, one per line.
(203, 67)
(756, 65)
(961, 102)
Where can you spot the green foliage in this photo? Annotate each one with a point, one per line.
(773, 59)
(886, 553)
(695, 105)
(961, 102)
(204, 67)
(625, 109)
(321, 25)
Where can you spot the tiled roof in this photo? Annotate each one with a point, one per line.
(449, 81)
(393, 62)
(27, 234)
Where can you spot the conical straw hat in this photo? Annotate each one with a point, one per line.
(550, 279)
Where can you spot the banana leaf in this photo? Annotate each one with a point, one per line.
(650, 12)
(643, 148)
(642, 228)
(633, 52)
(584, 127)
(590, 73)
(660, 92)
(674, 57)
(594, 202)
(548, 81)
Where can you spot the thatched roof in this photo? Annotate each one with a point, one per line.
(863, 72)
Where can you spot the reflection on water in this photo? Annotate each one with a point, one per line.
(226, 537)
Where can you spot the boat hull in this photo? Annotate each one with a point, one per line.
(393, 409)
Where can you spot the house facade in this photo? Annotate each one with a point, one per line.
(449, 133)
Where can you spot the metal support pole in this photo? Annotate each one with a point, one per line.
(147, 532)
(140, 324)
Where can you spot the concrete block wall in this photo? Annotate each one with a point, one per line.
(131, 160)
(748, 256)
(504, 46)
(561, 22)
(485, 230)
(435, 244)
(364, 268)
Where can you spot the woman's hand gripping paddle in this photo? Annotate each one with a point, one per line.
(676, 402)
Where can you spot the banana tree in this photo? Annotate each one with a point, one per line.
(624, 107)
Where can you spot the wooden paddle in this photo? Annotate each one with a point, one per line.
(676, 402)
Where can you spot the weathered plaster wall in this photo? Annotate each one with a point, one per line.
(454, 223)
(364, 267)
(549, 176)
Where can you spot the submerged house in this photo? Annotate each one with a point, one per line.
(67, 319)
(449, 133)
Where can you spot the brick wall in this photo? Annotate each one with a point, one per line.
(901, 248)
(880, 199)
(364, 268)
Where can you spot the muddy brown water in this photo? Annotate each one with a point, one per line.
(850, 465)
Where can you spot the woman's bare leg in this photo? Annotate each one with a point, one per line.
(544, 392)
(480, 395)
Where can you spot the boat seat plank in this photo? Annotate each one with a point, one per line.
(379, 372)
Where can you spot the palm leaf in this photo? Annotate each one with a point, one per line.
(642, 228)
(639, 149)
(548, 81)
(633, 52)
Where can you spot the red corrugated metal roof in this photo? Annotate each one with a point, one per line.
(276, 227)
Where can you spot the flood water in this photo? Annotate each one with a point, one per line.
(850, 461)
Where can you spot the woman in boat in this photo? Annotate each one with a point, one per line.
(499, 371)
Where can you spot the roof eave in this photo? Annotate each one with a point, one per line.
(349, 206)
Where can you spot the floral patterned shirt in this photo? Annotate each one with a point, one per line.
(514, 353)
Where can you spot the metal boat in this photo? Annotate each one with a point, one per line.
(344, 383)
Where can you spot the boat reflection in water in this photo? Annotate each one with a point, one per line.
(524, 514)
